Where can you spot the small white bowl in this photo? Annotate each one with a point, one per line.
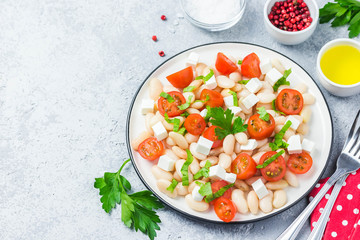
(334, 88)
(291, 38)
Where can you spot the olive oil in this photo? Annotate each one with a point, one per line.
(341, 64)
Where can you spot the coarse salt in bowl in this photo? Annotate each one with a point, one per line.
(213, 15)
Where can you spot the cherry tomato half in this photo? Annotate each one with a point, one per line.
(243, 166)
(225, 209)
(210, 134)
(224, 65)
(275, 170)
(151, 148)
(212, 98)
(259, 129)
(215, 186)
(250, 66)
(171, 109)
(300, 163)
(182, 78)
(195, 124)
(290, 101)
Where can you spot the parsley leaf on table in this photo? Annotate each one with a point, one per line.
(136, 209)
(343, 12)
(223, 119)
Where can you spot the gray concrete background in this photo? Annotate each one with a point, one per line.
(68, 71)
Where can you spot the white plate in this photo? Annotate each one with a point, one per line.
(321, 130)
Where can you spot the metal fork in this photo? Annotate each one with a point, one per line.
(347, 162)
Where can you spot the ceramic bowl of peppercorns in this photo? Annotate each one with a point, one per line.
(291, 22)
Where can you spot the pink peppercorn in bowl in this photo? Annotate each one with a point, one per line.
(297, 25)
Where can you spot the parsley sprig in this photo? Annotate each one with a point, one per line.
(270, 159)
(282, 80)
(343, 12)
(137, 209)
(223, 119)
(278, 139)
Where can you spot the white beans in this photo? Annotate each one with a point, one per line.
(277, 64)
(279, 198)
(170, 88)
(194, 166)
(291, 178)
(280, 120)
(187, 95)
(306, 114)
(243, 93)
(142, 136)
(212, 159)
(148, 118)
(179, 140)
(156, 88)
(197, 105)
(235, 76)
(160, 173)
(236, 88)
(197, 206)
(199, 90)
(169, 141)
(229, 144)
(261, 143)
(191, 138)
(171, 154)
(265, 148)
(303, 129)
(224, 160)
(253, 202)
(238, 197)
(257, 156)
(225, 92)
(181, 190)
(162, 185)
(196, 84)
(177, 177)
(288, 134)
(301, 87)
(240, 184)
(241, 138)
(179, 152)
(225, 82)
(281, 184)
(265, 203)
(251, 180)
(308, 98)
(200, 68)
(266, 97)
(216, 151)
(192, 111)
(237, 148)
(195, 153)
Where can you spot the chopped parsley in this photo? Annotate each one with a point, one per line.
(174, 121)
(182, 131)
(278, 139)
(207, 77)
(219, 193)
(236, 102)
(185, 114)
(271, 159)
(264, 115)
(240, 62)
(172, 186)
(189, 89)
(274, 108)
(243, 82)
(187, 104)
(167, 96)
(282, 80)
(185, 168)
(203, 172)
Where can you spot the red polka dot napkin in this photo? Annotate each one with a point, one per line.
(344, 220)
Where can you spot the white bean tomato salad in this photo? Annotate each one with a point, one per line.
(228, 137)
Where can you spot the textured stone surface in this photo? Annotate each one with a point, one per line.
(68, 71)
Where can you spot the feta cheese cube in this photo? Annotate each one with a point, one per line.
(230, 177)
(211, 83)
(308, 145)
(147, 106)
(159, 131)
(203, 146)
(235, 110)
(294, 144)
(193, 59)
(250, 101)
(167, 163)
(260, 189)
(229, 101)
(254, 85)
(196, 195)
(251, 145)
(217, 173)
(272, 76)
(265, 65)
(294, 122)
(203, 112)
